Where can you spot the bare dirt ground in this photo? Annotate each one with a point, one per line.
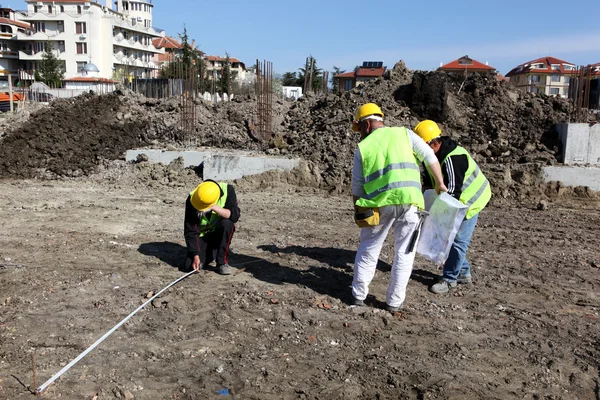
(78, 256)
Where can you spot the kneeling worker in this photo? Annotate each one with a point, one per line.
(465, 182)
(211, 210)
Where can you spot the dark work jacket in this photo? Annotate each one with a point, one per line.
(192, 221)
(453, 169)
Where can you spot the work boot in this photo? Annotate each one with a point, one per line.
(224, 269)
(393, 309)
(357, 302)
(206, 265)
(464, 280)
(442, 286)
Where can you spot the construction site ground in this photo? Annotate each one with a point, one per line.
(78, 255)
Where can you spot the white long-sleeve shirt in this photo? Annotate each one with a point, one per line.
(422, 151)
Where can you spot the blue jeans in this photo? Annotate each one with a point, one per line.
(457, 265)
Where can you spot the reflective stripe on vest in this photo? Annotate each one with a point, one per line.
(205, 225)
(390, 171)
(475, 191)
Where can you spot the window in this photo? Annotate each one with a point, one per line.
(80, 28)
(568, 67)
(62, 9)
(566, 91)
(555, 66)
(555, 78)
(535, 78)
(147, 23)
(133, 21)
(537, 90)
(78, 9)
(465, 61)
(81, 48)
(554, 90)
(567, 80)
(80, 65)
(39, 26)
(61, 26)
(3, 46)
(36, 8)
(539, 66)
(49, 9)
(5, 29)
(347, 84)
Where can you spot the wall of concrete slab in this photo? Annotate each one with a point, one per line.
(574, 175)
(219, 164)
(580, 143)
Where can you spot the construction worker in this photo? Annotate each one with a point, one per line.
(386, 190)
(465, 182)
(211, 210)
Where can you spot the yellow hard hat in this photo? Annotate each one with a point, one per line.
(205, 195)
(364, 111)
(428, 130)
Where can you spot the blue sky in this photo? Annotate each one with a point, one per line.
(423, 34)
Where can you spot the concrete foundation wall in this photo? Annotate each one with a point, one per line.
(219, 164)
(574, 176)
(580, 143)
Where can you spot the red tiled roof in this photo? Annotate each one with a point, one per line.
(345, 75)
(16, 23)
(525, 68)
(219, 58)
(165, 57)
(167, 42)
(90, 79)
(475, 65)
(363, 73)
(501, 78)
(370, 72)
(595, 69)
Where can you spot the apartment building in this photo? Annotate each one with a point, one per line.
(9, 46)
(172, 48)
(215, 64)
(548, 75)
(83, 32)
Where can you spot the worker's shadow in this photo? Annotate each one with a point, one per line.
(167, 252)
(334, 257)
(328, 281)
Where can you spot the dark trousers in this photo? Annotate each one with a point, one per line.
(214, 246)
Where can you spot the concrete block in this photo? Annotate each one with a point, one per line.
(594, 145)
(574, 176)
(219, 164)
(575, 139)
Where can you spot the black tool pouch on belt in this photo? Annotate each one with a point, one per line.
(366, 217)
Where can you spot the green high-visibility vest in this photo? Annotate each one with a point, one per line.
(476, 191)
(208, 224)
(390, 170)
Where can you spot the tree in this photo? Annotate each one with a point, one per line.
(227, 76)
(289, 79)
(51, 70)
(334, 82)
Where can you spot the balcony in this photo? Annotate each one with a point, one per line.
(49, 35)
(131, 43)
(6, 35)
(9, 54)
(38, 56)
(132, 61)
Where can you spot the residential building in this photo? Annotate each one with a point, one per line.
(215, 64)
(548, 75)
(83, 32)
(370, 70)
(9, 46)
(171, 47)
(467, 66)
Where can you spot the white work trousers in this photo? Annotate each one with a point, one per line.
(404, 220)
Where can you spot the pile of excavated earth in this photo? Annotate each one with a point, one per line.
(510, 134)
